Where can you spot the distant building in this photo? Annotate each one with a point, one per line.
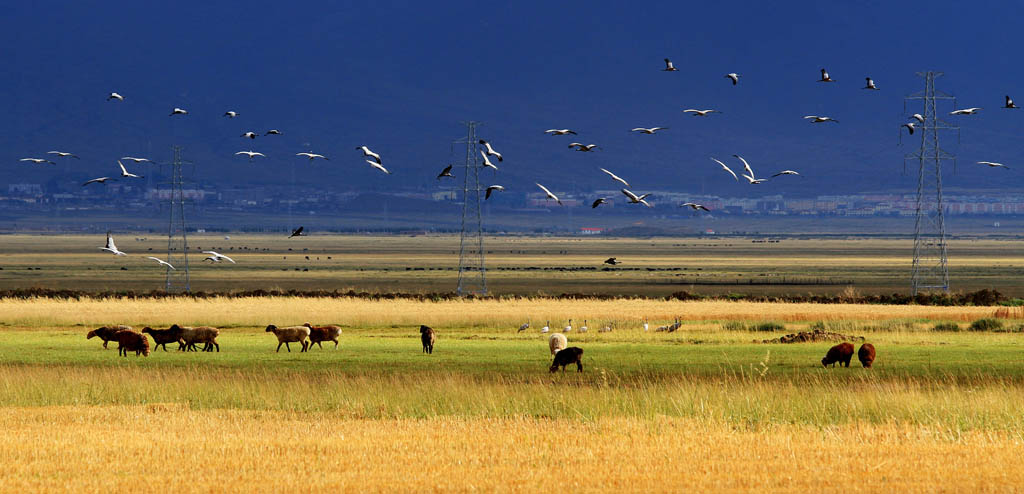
(591, 231)
(25, 189)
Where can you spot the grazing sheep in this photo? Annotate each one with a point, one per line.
(866, 354)
(427, 338)
(202, 334)
(130, 341)
(557, 342)
(164, 336)
(291, 334)
(107, 333)
(323, 333)
(571, 355)
(841, 353)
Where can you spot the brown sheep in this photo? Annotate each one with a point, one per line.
(201, 334)
(571, 355)
(841, 353)
(107, 333)
(323, 333)
(130, 341)
(427, 338)
(291, 334)
(866, 355)
(164, 336)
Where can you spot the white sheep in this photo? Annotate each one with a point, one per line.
(291, 334)
(557, 342)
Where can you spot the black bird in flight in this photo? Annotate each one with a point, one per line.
(296, 233)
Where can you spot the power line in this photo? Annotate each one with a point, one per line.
(177, 234)
(472, 271)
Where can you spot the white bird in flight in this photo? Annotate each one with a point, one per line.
(820, 119)
(62, 154)
(648, 131)
(101, 180)
(38, 160)
(785, 172)
(909, 126)
(918, 117)
(993, 164)
(178, 111)
(230, 114)
(965, 111)
(487, 161)
(694, 206)
(734, 77)
(726, 168)
(274, 132)
(549, 194)
(491, 151)
(615, 177)
(378, 166)
(110, 247)
(635, 199)
(669, 67)
(311, 156)
(1009, 103)
(218, 256)
(492, 188)
(754, 181)
(700, 113)
(250, 135)
(137, 160)
(124, 172)
(870, 84)
(559, 132)
(746, 166)
(825, 77)
(583, 147)
(115, 96)
(161, 261)
(251, 154)
(370, 154)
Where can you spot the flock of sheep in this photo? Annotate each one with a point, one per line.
(307, 335)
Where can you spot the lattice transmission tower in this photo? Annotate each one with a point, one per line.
(930, 270)
(177, 233)
(472, 272)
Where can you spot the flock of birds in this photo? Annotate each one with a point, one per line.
(487, 152)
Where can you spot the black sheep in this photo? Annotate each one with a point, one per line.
(427, 337)
(571, 355)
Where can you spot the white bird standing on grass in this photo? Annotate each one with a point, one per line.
(545, 329)
(370, 154)
(62, 154)
(635, 199)
(549, 194)
(726, 168)
(649, 131)
(111, 248)
(161, 261)
(491, 151)
(124, 172)
(568, 327)
(615, 177)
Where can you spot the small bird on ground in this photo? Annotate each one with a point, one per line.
(447, 172)
(111, 248)
(524, 327)
(492, 188)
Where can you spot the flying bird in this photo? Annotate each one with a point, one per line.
(161, 261)
(993, 165)
(137, 160)
(819, 119)
(96, 181)
(700, 113)
(487, 161)
(598, 202)
(746, 166)
(124, 172)
(251, 154)
(378, 166)
(648, 131)
(115, 96)
(549, 194)
(370, 154)
(559, 132)
(694, 206)
(785, 172)
(110, 247)
(178, 111)
(870, 84)
(965, 111)
(311, 156)
(825, 77)
(615, 177)
(734, 77)
(447, 172)
(296, 232)
(918, 117)
(38, 160)
(726, 168)
(250, 135)
(754, 181)
(63, 154)
(491, 151)
(1009, 103)
(211, 259)
(669, 67)
(492, 188)
(219, 257)
(273, 132)
(583, 147)
(613, 261)
(230, 114)
(909, 126)
(635, 199)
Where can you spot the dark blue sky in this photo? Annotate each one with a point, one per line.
(400, 76)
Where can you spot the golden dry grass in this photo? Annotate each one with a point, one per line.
(171, 448)
(258, 312)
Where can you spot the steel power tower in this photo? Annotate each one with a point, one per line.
(177, 234)
(472, 273)
(930, 270)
